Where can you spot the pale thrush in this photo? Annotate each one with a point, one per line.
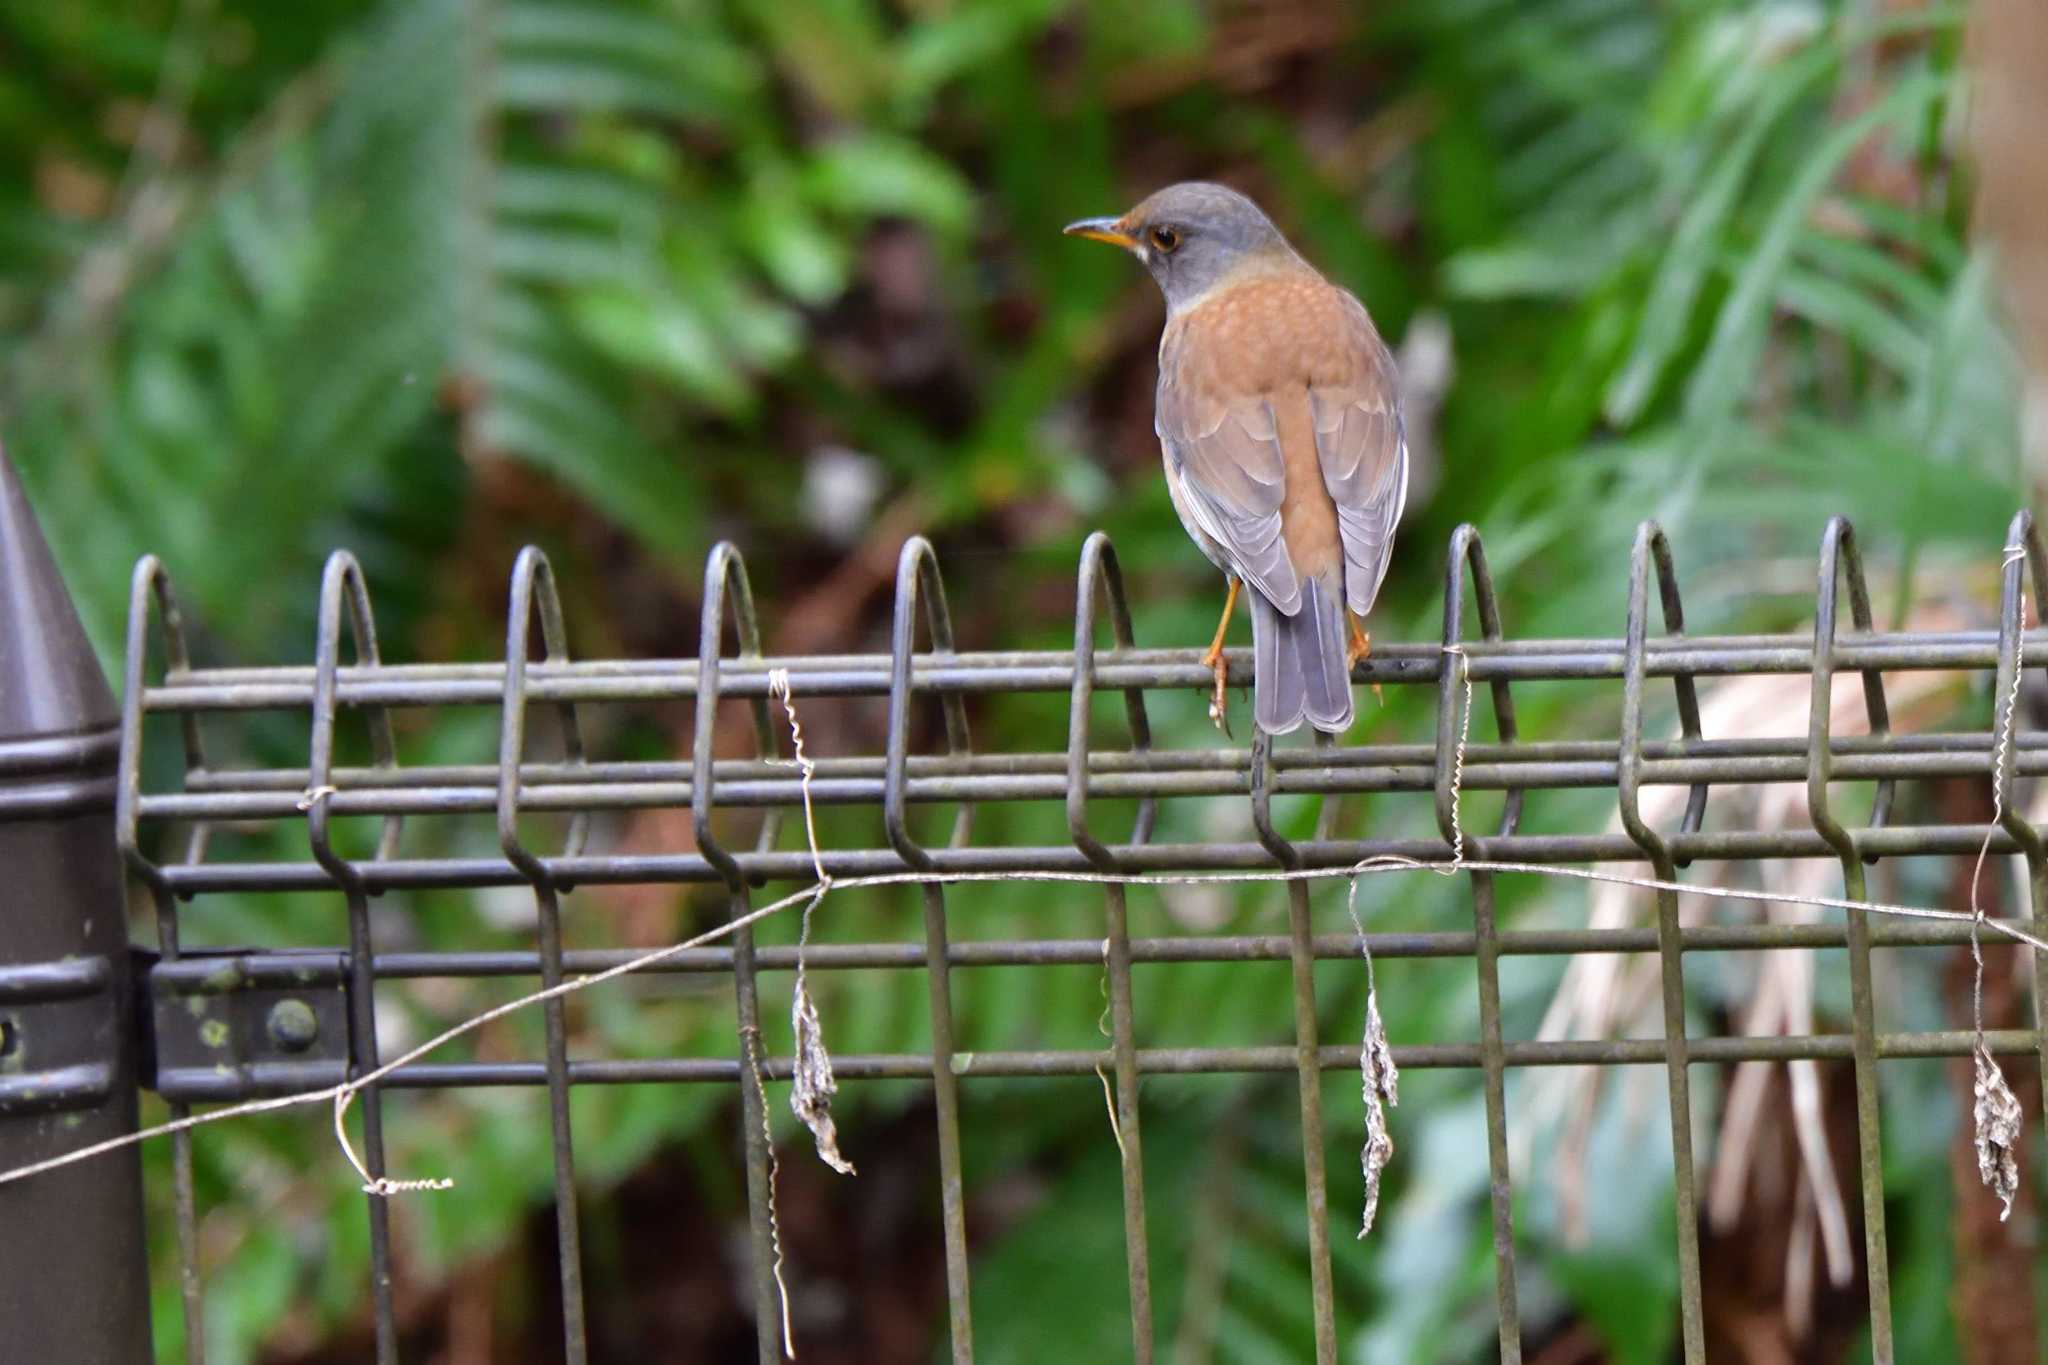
(1279, 417)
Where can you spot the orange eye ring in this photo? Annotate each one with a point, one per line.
(1164, 238)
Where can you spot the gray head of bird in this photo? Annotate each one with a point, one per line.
(1193, 236)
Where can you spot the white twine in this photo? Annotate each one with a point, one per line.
(750, 1040)
(1458, 760)
(812, 1082)
(778, 686)
(382, 1186)
(1996, 1111)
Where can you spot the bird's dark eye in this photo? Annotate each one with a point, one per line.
(1165, 238)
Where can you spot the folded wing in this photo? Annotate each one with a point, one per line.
(1364, 455)
(1229, 458)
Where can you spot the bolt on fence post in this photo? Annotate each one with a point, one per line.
(75, 1284)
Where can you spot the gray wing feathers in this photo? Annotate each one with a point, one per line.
(1235, 480)
(1364, 456)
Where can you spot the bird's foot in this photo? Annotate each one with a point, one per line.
(1219, 705)
(1359, 650)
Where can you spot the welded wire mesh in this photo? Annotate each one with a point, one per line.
(170, 836)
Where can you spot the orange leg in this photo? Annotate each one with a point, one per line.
(1212, 659)
(1359, 648)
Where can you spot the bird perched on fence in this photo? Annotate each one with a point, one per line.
(1280, 421)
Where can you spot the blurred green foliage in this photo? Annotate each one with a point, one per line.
(434, 277)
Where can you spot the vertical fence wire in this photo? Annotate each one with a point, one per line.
(150, 595)
(1671, 965)
(725, 580)
(946, 1118)
(533, 590)
(918, 584)
(1451, 723)
(2025, 562)
(1301, 956)
(1839, 560)
(1099, 567)
(342, 589)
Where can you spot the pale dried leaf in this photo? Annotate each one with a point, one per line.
(1998, 1132)
(810, 1097)
(1382, 1089)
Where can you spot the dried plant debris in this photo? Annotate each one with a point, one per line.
(1382, 1090)
(811, 1095)
(1998, 1132)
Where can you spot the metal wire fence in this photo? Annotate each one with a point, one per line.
(264, 1023)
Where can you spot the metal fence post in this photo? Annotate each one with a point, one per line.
(74, 1275)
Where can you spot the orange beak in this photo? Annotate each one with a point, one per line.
(1102, 230)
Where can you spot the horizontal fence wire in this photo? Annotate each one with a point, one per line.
(172, 840)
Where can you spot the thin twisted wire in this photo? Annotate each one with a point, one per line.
(750, 1040)
(778, 686)
(2013, 554)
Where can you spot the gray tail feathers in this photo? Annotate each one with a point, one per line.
(1298, 664)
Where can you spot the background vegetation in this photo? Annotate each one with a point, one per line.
(435, 278)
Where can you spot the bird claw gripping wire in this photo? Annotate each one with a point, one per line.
(1219, 709)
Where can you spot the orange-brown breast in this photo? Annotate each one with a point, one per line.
(1276, 336)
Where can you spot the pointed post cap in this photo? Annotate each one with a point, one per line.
(50, 679)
